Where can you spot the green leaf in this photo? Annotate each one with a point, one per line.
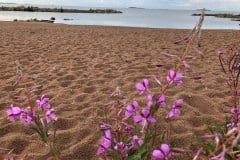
(34, 128)
(57, 150)
(46, 129)
(163, 135)
(154, 109)
(115, 155)
(143, 151)
(229, 157)
(145, 155)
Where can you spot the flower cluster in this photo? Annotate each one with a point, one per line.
(38, 116)
(15, 113)
(174, 77)
(128, 131)
(175, 109)
(28, 116)
(105, 143)
(235, 118)
(226, 144)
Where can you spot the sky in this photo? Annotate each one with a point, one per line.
(225, 5)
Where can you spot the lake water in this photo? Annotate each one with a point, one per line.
(131, 17)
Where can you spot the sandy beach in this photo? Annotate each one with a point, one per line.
(78, 67)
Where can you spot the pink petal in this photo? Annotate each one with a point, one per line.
(140, 88)
(145, 112)
(157, 154)
(151, 119)
(137, 118)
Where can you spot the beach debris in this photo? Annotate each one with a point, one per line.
(52, 18)
(67, 19)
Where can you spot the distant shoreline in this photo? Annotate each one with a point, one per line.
(60, 10)
(219, 15)
(234, 17)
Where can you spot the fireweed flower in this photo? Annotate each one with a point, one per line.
(106, 143)
(43, 103)
(150, 100)
(128, 128)
(131, 109)
(121, 147)
(108, 134)
(26, 117)
(161, 100)
(144, 118)
(14, 113)
(175, 109)
(220, 53)
(104, 146)
(177, 79)
(50, 115)
(136, 142)
(100, 150)
(143, 86)
(164, 153)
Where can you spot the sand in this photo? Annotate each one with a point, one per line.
(80, 66)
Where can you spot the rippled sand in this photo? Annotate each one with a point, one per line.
(80, 66)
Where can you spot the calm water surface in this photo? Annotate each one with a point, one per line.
(160, 18)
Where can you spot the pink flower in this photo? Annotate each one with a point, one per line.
(26, 117)
(136, 142)
(161, 100)
(106, 143)
(131, 109)
(164, 153)
(100, 150)
(128, 128)
(143, 86)
(108, 134)
(150, 100)
(50, 115)
(144, 118)
(14, 113)
(174, 77)
(104, 146)
(121, 147)
(43, 103)
(175, 109)
(220, 53)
